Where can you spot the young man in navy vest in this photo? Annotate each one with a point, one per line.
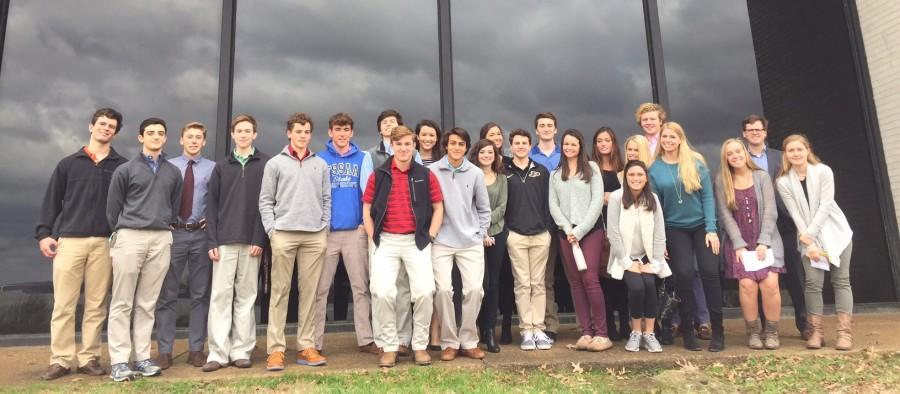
(402, 212)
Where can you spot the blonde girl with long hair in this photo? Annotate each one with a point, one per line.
(806, 186)
(636, 147)
(681, 180)
(745, 197)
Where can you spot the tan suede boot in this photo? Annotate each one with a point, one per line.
(844, 338)
(817, 335)
(772, 341)
(753, 339)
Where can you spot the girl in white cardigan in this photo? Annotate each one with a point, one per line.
(807, 187)
(637, 239)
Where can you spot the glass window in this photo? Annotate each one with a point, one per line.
(325, 57)
(62, 61)
(584, 61)
(710, 69)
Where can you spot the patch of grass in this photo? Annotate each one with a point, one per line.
(865, 371)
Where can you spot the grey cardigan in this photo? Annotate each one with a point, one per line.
(768, 216)
(574, 204)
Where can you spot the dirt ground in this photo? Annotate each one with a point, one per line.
(20, 365)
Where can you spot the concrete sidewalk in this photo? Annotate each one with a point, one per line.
(24, 364)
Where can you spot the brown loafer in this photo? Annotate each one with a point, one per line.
(403, 351)
(197, 359)
(474, 352)
(449, 354)
(211, 366)
(242, 363)
(370, 348)
(92, 368)
(55, 371)
(421, 357)
(164, 360)
(387, 359)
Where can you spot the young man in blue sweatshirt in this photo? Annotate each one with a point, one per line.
(546, 153)
(142, 207)
(348, 166)
(235, 242)
(467, 216)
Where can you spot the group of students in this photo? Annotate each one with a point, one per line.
(403, 213)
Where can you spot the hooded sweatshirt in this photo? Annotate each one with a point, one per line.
(467, 207)
(346, 174)
(295, 195)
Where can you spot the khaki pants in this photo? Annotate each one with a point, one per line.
(471, 267)
(79, 260)
(232, 321)
(402, 308)
(399, 253)
(528, 258)
(308, 250)
(140, 261)
(353, 246)
(551, 315)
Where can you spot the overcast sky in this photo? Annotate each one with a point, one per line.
(584, 60)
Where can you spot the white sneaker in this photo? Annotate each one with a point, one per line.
(528, 341)
(542, 341)
(634, 342)
(651, 343)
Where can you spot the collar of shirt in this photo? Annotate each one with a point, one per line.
(244, 159)
(90, 154)
(395, 168)
(764, 152)
(297, 156)
(537, 150)
(154, 164)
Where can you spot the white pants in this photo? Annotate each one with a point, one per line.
(397, 253)
(232, 321)
(471, 267)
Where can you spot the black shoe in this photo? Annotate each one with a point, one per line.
(690, 341)
(506, 331)
(665, 335)
(487, 338)
(717, 343)
(611, 331)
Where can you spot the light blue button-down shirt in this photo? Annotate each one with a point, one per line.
(203, 169)
(761, 161)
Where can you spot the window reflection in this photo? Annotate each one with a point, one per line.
(62, 61)
(324, 57)
(584, 61)
(711, 70)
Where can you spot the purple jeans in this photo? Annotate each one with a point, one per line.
(587, 295)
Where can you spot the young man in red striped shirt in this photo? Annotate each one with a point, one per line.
(402, 212)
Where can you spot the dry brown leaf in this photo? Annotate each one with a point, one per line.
(576, 368)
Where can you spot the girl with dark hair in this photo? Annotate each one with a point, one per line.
(637, 239)
(746, 201)
(486, 156)
(492, 131)
(606, 154)
(428, 136)
(681, 179)
(576, 202)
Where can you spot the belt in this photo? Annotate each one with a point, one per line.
(191, 226)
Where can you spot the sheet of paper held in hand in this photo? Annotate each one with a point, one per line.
(751, 263)
(821, 263)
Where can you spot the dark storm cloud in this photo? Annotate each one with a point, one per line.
(324, 57)
(584, 61)
(711, 69)
(63, 60)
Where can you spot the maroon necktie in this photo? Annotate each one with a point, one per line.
(187, 193)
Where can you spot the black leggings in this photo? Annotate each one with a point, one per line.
(684, 245)
(493, 259)
(641, 294)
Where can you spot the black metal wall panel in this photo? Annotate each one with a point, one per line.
(809, 85)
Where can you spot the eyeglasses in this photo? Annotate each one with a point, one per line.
(757, 131)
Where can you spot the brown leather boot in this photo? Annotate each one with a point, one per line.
(817, 334)
(844, 338)
(753, 339)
